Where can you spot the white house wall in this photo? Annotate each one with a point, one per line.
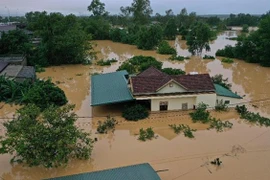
(209, 99)
(233, 101)
(173, 103)
(175, 88)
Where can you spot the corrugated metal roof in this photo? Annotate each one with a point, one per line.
(110, 88)
(3, 65)
(134, 172)
(27, 72)
(221, 91)
(12, 70)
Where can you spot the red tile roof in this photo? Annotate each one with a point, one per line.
(149, 81)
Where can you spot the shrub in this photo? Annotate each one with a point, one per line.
(106, 63)
(138, 64)
(227, 60)
(41, 93)
(221, 106)
(228, 51)
(147, 134)
(177, 58)
(245, 28)
(107, 125)
(252, 117)
(218, 79)
(171, 71)
(208, 57)
(200, 114)
(183, 128)
(165, 48)
(135, 112)
(219, 125)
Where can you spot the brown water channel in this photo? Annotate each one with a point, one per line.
(244, 150)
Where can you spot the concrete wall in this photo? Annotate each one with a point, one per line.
(233, 101)
(171, 89)
(209, 99)
(173, 103)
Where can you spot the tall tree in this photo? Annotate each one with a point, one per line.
(149, 37)
(14, 42)
(170, 30)
(48, 139)
(60, 34)
(141, 11)
(97, 8)
(198, 38)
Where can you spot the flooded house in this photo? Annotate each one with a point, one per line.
(161, 91)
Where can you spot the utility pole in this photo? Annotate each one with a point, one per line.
(8, 14)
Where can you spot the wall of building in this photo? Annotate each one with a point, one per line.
(233, 101)
(209, 99)
(173, 103)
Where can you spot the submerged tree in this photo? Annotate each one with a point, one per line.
(149, 37)
(198, 38)
(49, 138)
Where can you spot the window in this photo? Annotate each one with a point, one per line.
(184, 106)
(227, 102)
(163, 105)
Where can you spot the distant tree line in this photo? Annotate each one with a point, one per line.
(253, 48)
(135, 25)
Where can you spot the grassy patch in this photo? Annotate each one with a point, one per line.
(227, 60)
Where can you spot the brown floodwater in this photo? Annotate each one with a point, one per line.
(244, 150)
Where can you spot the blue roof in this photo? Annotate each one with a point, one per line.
(110, 88)
(134, 172)
(221, 91)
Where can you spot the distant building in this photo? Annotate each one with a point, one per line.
(161, 91)
(14, 59)
(6, 28)
(17, 72)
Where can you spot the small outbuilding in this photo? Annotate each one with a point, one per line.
(134, 172)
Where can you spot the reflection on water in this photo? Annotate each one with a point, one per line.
(185, 158)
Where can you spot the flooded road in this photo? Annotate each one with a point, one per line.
(244, 150)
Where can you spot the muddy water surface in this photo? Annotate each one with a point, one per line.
(244, 150)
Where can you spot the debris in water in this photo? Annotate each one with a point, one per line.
(216, 162)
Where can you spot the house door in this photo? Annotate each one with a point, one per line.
(163, 106)
(184, 106)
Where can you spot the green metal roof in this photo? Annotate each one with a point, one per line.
(110, 88)
(134, 172)
(221, 91)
